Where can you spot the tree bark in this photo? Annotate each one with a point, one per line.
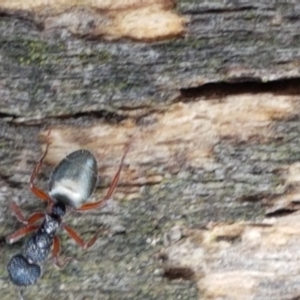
(207, 95)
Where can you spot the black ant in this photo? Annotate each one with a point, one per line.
(71, 184)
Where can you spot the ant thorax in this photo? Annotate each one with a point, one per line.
(50, 224)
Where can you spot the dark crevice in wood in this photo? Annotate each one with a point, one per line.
(10, 183)
(4, 116)
(25, 16)
(230, 239)
(173, 273)
(110, 117)
(2, 241)
(281, 212)
(242, 86)
(221, 10)
(252, 198)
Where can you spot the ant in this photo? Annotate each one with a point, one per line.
(71, 183)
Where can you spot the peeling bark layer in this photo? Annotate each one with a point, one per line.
(146, 20)
(241, 261)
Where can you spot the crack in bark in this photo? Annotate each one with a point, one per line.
(108, 116)
(202, 11)
(213, 90)
(241, 86)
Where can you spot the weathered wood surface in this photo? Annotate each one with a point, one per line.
(212, 111)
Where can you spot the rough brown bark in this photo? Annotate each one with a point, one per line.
(212, 111)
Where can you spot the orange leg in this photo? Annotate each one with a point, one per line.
(29, 221)
(111, 189)
(12, 238)
(55, 253)
(39, 193)
(75, 236)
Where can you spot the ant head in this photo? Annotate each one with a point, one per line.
(58, 209)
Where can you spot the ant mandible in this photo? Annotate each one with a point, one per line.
(72, 183)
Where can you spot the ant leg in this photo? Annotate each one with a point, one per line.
(21, 293)
(12, 238)
(111, 189)
(75, 236)
(35, 217)
(55, 252)
(18, 213)
(39, 193)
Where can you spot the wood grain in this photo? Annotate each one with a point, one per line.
(208, 94)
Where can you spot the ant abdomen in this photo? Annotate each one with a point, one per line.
(21, 272)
